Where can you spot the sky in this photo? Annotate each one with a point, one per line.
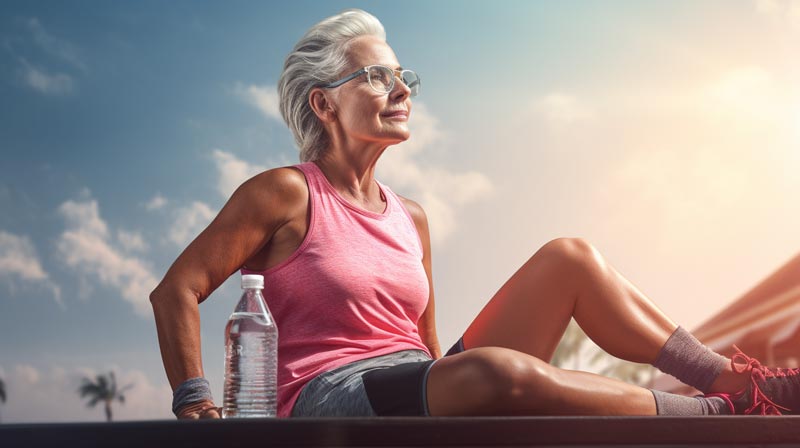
(665, 134)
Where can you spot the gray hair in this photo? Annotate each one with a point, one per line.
(319, 57)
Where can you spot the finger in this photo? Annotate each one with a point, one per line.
(194, 411)
(209, 413)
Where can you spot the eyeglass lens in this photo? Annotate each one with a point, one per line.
(382, 78)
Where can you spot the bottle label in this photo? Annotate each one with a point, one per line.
(253, 348)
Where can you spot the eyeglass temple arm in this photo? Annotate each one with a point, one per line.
(345, 79)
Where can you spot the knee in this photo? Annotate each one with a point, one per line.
(568, 246)
(498, 376)
(571, 250)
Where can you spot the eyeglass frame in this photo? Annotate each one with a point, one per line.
(365, 70)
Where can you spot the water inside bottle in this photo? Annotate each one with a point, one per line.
(250, 366)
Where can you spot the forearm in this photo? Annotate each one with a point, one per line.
(431, 340)
(433, 346)
(178, 324)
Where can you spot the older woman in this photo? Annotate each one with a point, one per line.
(347, 268)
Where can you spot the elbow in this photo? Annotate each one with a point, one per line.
(165, 291)
(155, 294)
(161, 292)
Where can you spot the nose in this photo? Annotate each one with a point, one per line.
(400, 89)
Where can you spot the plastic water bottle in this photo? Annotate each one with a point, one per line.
(251, 356)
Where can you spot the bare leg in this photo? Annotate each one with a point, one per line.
(499, 381)
(569, 278)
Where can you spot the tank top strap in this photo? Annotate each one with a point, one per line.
(406, 219)
(312, 177)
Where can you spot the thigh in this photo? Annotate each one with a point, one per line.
(530, 312)
(399, 390)
(489, 381)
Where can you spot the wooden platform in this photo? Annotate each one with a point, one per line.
(415, 432)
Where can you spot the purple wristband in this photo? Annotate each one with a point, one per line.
(190, 391)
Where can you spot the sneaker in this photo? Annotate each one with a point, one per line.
(772, 391)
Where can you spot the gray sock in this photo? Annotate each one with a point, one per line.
(672, 404)
(688, 360)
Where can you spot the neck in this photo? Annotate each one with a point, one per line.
(352, 173)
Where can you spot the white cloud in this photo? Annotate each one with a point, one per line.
(562, 109)
(441, 192)
(18, 260)
(156, 203)
(84, 216)
(44, 80)
(50, 395)
(264, 98)
(779, 10)
(189, 222)
(748, 92)
(27, 374)
(18, 257)
(232, 172)
(131, 241)
(85, 247)
(767, 6)
(59, 48)
(49, 84)
(426, 132)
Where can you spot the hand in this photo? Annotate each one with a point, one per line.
(201, 409)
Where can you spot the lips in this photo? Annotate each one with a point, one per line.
(396, 113)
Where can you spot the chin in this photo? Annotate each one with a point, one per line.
(403, 134)
(394, 138)
(400, 139)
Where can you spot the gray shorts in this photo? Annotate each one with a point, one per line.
(392, 384)
(341, 393)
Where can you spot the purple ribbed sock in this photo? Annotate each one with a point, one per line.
(688, 360)
(671, 404)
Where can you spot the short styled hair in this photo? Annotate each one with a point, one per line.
(319, 57)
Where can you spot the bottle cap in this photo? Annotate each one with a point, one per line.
(252, 281)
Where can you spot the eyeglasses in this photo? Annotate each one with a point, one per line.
(381, 79)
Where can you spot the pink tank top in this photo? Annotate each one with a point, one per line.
(354, 289)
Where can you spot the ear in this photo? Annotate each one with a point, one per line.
(320, 101)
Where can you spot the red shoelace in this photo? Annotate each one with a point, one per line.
(761, 403)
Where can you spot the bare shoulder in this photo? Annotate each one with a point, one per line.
(281, 185)
(416, 211)
(279, 192)
(285, 180)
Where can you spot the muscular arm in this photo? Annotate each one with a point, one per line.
(427, 322)
(243, 226)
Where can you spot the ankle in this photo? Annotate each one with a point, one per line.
(730, 382)
(687, 359)
(718, 404)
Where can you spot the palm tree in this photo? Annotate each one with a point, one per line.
(2, 391)
(104, 389)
